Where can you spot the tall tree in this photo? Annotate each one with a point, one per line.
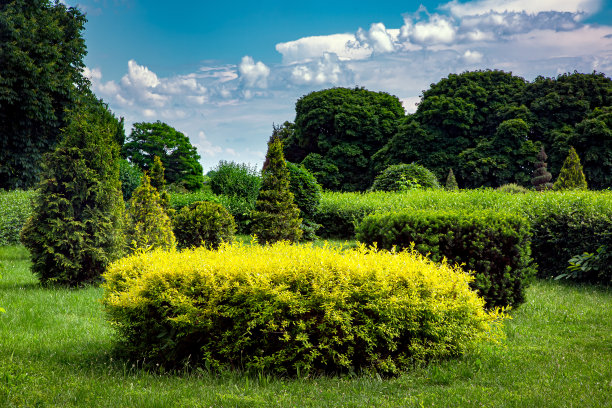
(76, 227)
(337, 131)
(178, 155)
(41, 65)
(276, 216)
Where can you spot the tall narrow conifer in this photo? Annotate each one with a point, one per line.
(451, 182)
(571, 176)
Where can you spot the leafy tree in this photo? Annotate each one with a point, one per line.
(541, 176)
(593, 138)
(571, 176)
(179, 157)
(130, 176)
(235, 179)
(399, 176)
(451, 182)
(41, 54)
(345, 127)
(76, 227)
(148, 224)
(276, 217)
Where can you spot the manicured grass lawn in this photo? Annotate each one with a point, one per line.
(56, 350)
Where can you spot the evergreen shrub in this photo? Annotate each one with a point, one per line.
(494, 245)
(293, 309)
(130, 176)
(513, 188)
(405, 176)
(307, 195)
(235, 179)
(15, 209)
(203, 224)
(571, 176)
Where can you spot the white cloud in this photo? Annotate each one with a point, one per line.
(378, 38)
(480, 7)
(254, 74)
(139, 76)
(472, 57)
(93, 74)
(327, 70)
(345, 46)
(438, 30)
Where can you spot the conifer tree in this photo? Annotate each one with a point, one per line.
(276, 216)
(451, 182)
(158, 182)
(76, 227)
(541, 176)
(571, 176)
(149, 226)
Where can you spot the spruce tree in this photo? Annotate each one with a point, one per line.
(276, 216)
(76, 227)
(571, 176)
(451, 182)
(541, 176)
(158, 182)
(148, 225)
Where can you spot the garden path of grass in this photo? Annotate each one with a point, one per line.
(56, 351)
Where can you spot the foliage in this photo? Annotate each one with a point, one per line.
(307, 195)
(571, 176)
(148, 225)
(130, 176)
(493, 245)
(293, 310)
(180, 200)
(512, 188)
(203, 224)
(336, 132)
(42, 51)
(593, 138)
(179, 157)
(76, 227)
(451, 181)
(391, 178)
(15, 207)
(590, 267)
(235, 179)
(276, 217)
(541, 176)
(158, 182)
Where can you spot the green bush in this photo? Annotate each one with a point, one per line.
(594, 267)
(235, 179)
(293, 309)
(494, 245)
(16, 208)
(307, 195)
(179, 200)
(405, 177)
(130, 176)
(203, 224)
(512, 188)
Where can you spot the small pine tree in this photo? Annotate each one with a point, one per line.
(571, 176)
(158, 182)
(541, 176)
(451, 182)
(148, 224)
(276, 216)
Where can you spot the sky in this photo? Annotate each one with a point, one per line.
(224, 72)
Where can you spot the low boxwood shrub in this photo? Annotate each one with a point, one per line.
(203, 224)
(291, 309)
(494, 245)
(15, 209)
(405, 177)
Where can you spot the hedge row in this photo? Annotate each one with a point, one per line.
(494, 245)
(15, 209)
(563, 224)
(293, 309)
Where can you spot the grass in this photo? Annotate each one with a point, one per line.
(56, 349)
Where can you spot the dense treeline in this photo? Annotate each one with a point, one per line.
(486, 125)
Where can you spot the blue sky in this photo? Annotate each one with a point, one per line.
(224, 72)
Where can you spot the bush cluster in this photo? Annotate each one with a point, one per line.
(494, 245)
(405, 176)
(293, 309)
(235, 179)
(203, 224)
(15, 209)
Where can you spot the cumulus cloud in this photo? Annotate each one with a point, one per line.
(472, 57)
(480, 7)
(254, 74)
(437, 30)
(345, 46)
(327, 70)
(378, 38)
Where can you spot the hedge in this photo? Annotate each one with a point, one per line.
(15, 209)
(290, 309)
(494, 245)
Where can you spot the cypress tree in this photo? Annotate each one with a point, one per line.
(451, 182)
(541, 176)
(571, 176)
(276, 216)
(149, 226)
(76, 227)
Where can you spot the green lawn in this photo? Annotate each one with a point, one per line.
(56, 350)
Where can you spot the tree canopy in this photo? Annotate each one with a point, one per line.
(179, 157)
(41, 54)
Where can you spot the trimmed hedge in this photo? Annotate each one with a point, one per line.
(494, 245)
(15, 209)
(292, 309)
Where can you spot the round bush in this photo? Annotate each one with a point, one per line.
(293, 309)
(306, 191)
(235, 179)
(405, 176)
(203, 224)
(513, 188)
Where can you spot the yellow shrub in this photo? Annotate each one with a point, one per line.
(294, 308)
